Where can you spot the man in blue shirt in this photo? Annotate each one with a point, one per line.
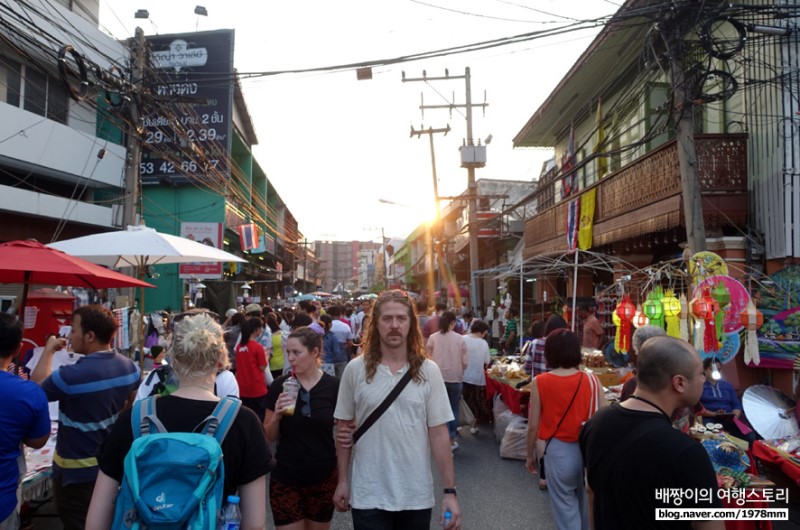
(723, 406)
(24, 418)
(91, 393)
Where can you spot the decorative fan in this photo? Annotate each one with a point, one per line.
(771, 413)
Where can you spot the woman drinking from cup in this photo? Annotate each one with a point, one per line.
(300, 419)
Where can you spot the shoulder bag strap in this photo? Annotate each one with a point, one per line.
(378, 412)
(571, 401)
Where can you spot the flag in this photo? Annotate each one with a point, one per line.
(568, 164)
(587, 219)
(602, 161)
(248, 235)
(573, 219)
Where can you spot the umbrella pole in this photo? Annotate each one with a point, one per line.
(140, 270)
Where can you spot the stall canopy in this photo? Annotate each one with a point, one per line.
(556, 263)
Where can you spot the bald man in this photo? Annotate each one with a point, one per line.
(632, 453)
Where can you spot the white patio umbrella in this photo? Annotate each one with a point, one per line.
(141, 247)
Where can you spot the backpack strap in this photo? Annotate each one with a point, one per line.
(220, 421)
(143, 417)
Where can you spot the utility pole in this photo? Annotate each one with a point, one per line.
(429, 242)
(683, 113)
(470, 163)
(134, 144)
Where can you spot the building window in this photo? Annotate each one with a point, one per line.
(33, 90)
(10, 81)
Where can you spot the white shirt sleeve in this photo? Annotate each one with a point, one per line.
(226, 384)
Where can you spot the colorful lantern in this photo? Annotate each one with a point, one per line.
(616, 321)
(672, 311)
(625, 311)
(752, 319)
(722, 295)
(653, 309)
(705, 308)
(639, 318)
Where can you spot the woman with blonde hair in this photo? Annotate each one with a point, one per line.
(301, 486)
(198, 352)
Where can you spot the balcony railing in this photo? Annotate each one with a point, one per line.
(645, 196)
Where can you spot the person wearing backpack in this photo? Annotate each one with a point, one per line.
(198, 352)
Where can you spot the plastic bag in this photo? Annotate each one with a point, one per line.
(502, 417)
(465, 415)
(514, 444)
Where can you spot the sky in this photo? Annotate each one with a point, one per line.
(338, 150)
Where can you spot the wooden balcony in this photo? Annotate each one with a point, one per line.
(645, 196)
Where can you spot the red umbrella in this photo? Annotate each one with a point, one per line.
(30, 262)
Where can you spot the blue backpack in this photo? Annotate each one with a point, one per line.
(174, 480)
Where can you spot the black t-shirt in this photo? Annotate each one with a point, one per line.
(306, 451)
(244, 449)
(625, 491)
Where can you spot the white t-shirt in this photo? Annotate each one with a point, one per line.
(342, 331)
(225, 385)
(478, 353)
(398, 441)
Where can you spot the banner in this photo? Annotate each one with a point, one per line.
(587, 219)
(209, 234)
(573, 219)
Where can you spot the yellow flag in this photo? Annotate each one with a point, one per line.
(587, 219)
(602, 161)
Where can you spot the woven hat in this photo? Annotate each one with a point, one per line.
(252, 308)
(230, 312)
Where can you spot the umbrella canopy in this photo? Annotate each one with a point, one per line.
(769, 412)
(310, 297)
(140, 246)
(28, 262)
(321, 294)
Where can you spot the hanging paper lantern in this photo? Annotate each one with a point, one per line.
(653, 309)
(684, 323)
(626, 311)
(752, 319)
(639, 318)
(722, 295)
(705, 308)
(672, 311)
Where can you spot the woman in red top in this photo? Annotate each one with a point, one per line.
(561, 401)
(251, 361)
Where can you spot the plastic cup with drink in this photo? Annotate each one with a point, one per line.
(291, 386)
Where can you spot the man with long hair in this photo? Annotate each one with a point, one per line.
(397, 493)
